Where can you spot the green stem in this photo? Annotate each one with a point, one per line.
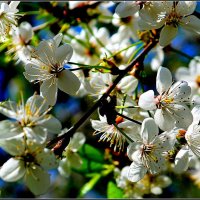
(135, 53)
(132, 45)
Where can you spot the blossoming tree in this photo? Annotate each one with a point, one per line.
(94, 95)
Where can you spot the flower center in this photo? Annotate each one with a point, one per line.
(173, 19)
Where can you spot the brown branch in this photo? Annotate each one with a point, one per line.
(63, 140)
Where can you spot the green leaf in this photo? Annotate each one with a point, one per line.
(89, 185)
(113, 191)
(91, 153)
(89, 166)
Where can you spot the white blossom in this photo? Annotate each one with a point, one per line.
(191, 74)
(31, 120)
(21, 36)
(169, 16)
(70, 154)
(147, 150)
(110, 133)
(8, 17)
(170, 104)
(29, 162)
(47, 66)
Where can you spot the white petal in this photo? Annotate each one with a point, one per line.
(12, 170)
(52, 124)
(37, 134)
(185, 8)
(63, 53)
(128, 84)
(147, 101)
(9, 109)
(181, 161)
(47, 159)
(180, 91)
(149, 130)
(58, 39)
(191, 23)
(125, 9)
(33, 72)
(13, 4)
(182, 114)
(68, 82)
(9, 129)
(14, 146)
(164, 119)
(163, 80)
(48, 90)
(136, 172)
(26, 31)
(37, 180)
(167, 34)
(37, 104)
(77, 141)
(64, 168)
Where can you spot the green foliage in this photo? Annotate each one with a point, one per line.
(113, 191)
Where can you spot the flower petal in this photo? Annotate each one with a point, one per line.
(26, 31)
(125, 9)
(147, 101)
(50, 123)
(180, 91)
(36, 134)
(68, 82)
(9, 129)
(47, 159)
(136, 172)
(163, 80)
(185, 8)
(63, 53)
(12, 170)
(167, 34)
(64, 168)
(48, 90)
(9, 109)
(128, 84)
(181, 161)
(164, 119)
(77, 141)
(37, 180)
(149, 130)
(191, 23)
(37, 104)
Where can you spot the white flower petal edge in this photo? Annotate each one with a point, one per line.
(12, 170)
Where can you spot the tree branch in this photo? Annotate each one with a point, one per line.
(63, 140)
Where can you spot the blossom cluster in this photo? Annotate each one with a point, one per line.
(158, 127)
